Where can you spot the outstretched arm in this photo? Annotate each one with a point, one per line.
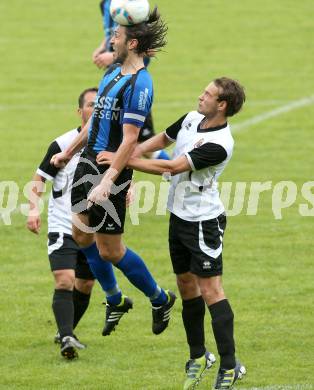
(156, 167)
(61, 159)
(158, 142)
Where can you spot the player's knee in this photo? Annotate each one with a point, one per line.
(64, 281)
(212, 294)
(84, 286)
(187, 286)
(112, 255)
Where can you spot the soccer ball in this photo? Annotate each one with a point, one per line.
(129, 12)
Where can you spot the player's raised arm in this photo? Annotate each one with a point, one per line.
(60, 160)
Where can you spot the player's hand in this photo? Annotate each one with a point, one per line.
(97, 52)
(103, 60)
(33, 223)
(100, 193)
(104, 158)
(60, 160)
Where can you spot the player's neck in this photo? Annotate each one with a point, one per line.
(212, 122)
(132, 64)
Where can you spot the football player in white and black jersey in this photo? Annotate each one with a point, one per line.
(72, 274)
(203, 148)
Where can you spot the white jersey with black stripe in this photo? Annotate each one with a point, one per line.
(193, 195)
(59, 207)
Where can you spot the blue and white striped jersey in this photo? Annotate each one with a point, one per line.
(121, 99)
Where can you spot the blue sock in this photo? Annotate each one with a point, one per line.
(136, 271)
(103, 272)
(163, 155)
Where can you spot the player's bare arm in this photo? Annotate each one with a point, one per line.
(158, 167)
(33, 223)
(119, 161)
(159, 141)
(155, 167)
(61, 159)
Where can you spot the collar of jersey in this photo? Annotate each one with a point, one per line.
(199, 130)
(129, 74)
(79, 129)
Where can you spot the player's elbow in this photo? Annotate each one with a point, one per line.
(130, 141)
(173, 168)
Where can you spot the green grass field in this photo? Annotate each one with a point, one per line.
(45, 50)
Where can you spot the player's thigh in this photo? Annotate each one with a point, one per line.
(109, 217)
(110, 246)
(81, 231)
(179, 255)
(80, 185)
(206, 246)
(62, 251)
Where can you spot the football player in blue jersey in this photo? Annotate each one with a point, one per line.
(99, 192)
(103, 57)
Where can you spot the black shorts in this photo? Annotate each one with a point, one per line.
(110, 218)
(196, 246)
(147, 131)
(64, 253)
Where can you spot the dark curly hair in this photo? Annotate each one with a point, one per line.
(151, 34)
(232, 92)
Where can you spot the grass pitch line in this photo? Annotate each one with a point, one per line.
(279, 387)
(294, 105)
(161, 104)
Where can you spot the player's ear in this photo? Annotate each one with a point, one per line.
(222, 105)
(79, 112)
(132, 44)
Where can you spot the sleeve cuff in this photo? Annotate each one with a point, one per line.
(44, 174)
(133, 122)
(169, 138)
(190, 161)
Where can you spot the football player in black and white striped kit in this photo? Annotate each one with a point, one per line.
(72, 274)
(203, 148)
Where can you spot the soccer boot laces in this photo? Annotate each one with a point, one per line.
(161, 314)
(196, 368)
(227, 378)
(114, 314)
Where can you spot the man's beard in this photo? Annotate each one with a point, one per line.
(209, 115)
(121, 58)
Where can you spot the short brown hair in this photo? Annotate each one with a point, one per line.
(232, 92)
(150, 34)
(82, 95)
